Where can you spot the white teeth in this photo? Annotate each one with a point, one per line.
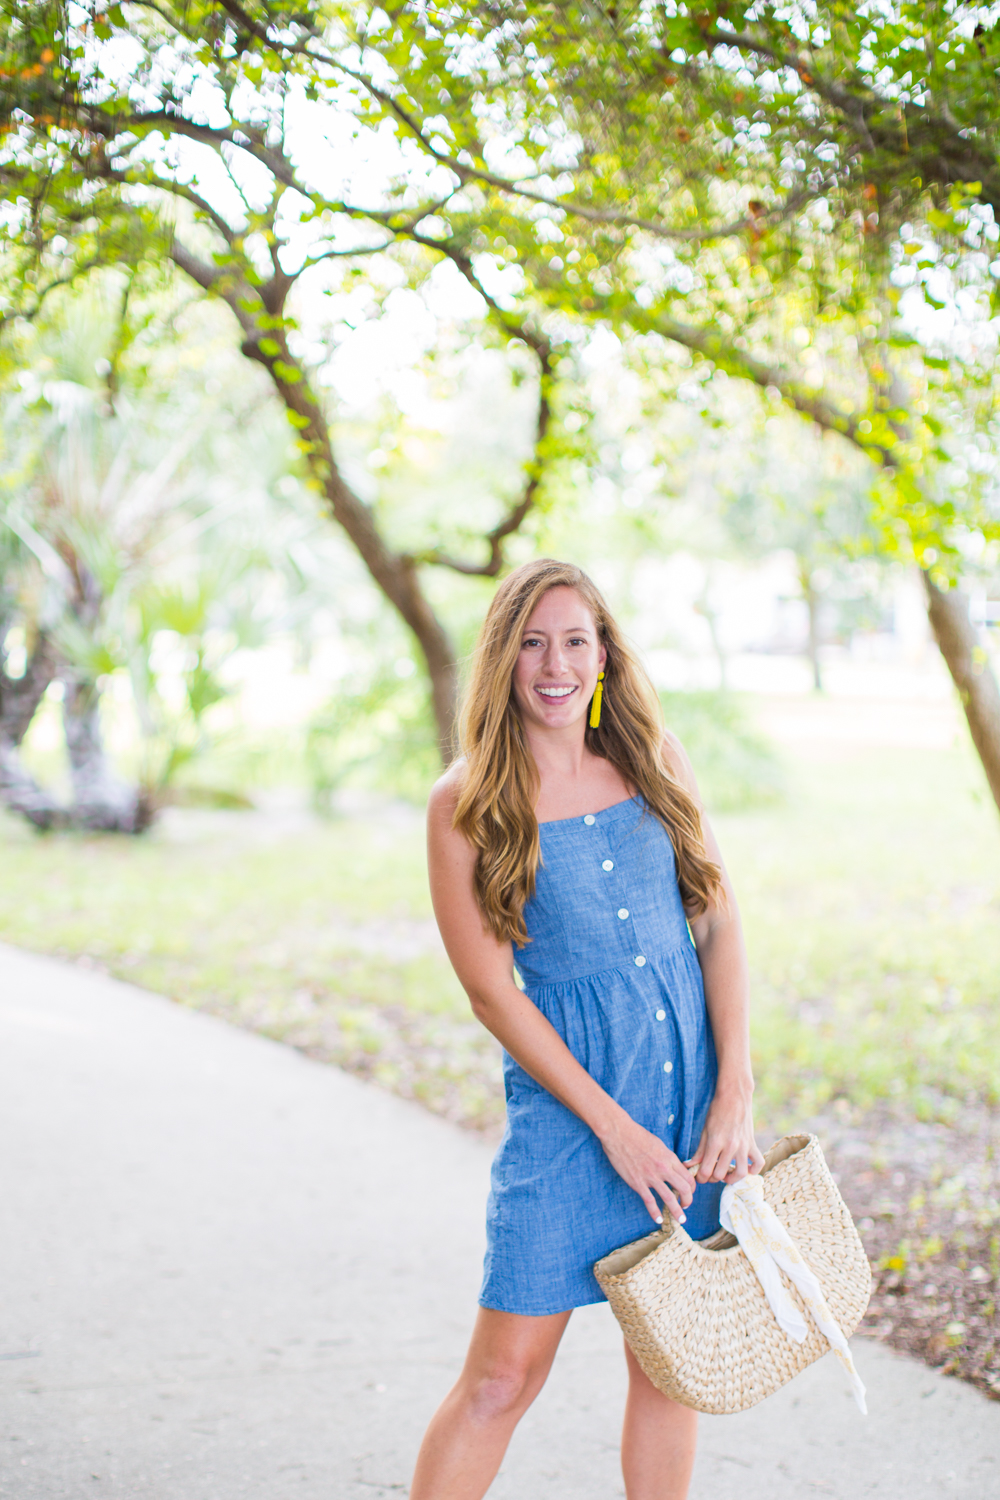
(555, 692)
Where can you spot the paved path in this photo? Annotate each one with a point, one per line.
(227, 1271)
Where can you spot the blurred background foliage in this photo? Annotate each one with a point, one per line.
(160, 533)
(737, 767)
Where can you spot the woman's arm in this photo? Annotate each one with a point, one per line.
(728, 1135)
(486, 970)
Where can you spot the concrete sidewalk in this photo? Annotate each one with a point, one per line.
(228, 1271)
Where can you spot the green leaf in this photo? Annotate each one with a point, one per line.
(287, 373)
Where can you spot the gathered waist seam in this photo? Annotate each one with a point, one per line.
(624, 968)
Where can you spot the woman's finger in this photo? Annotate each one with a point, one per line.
(710, 1158)
(733, 1158)
(675, 1170)
(756, 1157)
(651, 1205)
(699, 1162)
(696, 1158)
(670, 1202)
(683, 1183)
(680, 1178)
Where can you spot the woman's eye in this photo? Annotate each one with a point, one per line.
(531, 641)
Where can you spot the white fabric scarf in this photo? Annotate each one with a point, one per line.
(770, 1249)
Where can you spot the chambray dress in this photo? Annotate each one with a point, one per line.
(612, 966)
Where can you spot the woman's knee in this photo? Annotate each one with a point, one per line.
(503, 1390)
(508, 1361)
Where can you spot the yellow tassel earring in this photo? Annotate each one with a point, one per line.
(595, 707)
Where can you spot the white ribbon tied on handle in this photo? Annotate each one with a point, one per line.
(770, 1249)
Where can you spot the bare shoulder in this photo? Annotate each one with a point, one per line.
(677, 762)
(445, 792)
(449, 852)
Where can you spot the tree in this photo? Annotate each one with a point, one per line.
(717, 180)
(76, 126)
(144, 540)
(775, 173)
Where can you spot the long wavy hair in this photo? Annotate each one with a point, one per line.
(496, 805)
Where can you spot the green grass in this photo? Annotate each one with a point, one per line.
(871, 898)
(871, 902)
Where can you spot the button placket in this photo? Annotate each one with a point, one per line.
(622, 912)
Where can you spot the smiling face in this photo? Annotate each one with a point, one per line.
(557, 666)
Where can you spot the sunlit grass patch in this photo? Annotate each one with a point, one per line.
(869, 894)
(871, 900)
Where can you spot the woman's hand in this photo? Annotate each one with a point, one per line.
(643, 1161)
(727, 1149)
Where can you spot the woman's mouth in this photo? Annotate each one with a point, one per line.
(556, 692)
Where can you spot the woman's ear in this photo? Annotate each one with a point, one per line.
(602, 657)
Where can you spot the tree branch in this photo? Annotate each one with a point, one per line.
(513, 186)
(712, 345)
(28, 314)
(314, 260)
(467, 173)
(935, 138)
(542, 349)
(518, 512)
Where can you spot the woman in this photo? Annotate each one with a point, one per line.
(627, 1066)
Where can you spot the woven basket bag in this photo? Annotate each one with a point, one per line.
(695, 1314)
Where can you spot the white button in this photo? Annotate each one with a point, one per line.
(668, 1067)
(639, 960)
(661, 1015)
(608, 864)
(670, 1119)
(589, 819)
(623, 913)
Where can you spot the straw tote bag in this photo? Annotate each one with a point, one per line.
(694, 1312)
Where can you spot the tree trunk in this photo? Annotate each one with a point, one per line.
(20, 696)
(394, 573)
(969, 665)
(100, 799)
(703, 607)
(20, 792)
(813, 602)
(19, 700)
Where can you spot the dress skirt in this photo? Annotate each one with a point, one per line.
(611, 964)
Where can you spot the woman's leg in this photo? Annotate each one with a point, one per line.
(506, 1366)
(658, 1440)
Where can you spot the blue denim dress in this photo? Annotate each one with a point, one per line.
(612, 966)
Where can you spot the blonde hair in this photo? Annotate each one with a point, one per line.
(496, 804)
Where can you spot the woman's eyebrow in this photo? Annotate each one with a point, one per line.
(567, 630)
